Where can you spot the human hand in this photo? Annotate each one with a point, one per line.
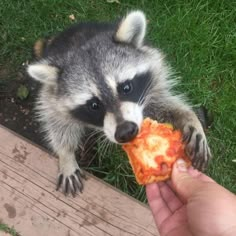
(201, 207)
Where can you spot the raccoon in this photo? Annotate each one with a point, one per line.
(103, 76)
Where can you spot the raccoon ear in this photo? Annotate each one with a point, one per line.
(132, 29)
(44, 73)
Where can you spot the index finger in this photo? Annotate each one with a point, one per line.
(158, 206)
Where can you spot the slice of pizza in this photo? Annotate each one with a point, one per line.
(154, 151)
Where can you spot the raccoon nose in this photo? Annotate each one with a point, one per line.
(126, 131)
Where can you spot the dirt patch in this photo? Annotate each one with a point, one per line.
(17, 114)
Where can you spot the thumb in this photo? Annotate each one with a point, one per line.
(184, 183)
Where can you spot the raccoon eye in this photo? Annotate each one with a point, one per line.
(94, 106)
(127, 87)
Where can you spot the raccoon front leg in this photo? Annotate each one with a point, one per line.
(70, 175)
(173, 110)
(64, 139)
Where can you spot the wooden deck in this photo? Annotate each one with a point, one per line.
(29, 202)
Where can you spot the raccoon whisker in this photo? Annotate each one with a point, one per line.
(147, 103)
(102, 145)
(91, 145)
(145, 91)
(97, 151)
(93, 142)
(107, 147)
(142, 96)
(100, 151)
(92, 134)
(144, 100)
(147, 99)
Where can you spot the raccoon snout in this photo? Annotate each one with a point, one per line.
(126, 131)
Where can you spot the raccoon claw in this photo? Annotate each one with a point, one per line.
(196, 147)
(71, 184)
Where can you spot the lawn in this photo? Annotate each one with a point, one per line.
(10, 231)
(199, 39)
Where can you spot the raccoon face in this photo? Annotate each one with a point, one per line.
(123, 124)
(116, 108)
(105, 83)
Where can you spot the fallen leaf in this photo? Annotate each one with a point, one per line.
(113, 1)
(22, 92)
(72, 17)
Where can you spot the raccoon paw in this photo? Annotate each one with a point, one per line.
(196, 147)
(71, 183)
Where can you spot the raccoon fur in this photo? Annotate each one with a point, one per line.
(103, 76)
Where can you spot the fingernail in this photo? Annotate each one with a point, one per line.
(181, 165)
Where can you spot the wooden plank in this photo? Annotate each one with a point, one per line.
(30, 203)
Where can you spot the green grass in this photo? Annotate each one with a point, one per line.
(199, 39)
(6, 229)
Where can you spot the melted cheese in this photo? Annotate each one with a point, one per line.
(156, 146)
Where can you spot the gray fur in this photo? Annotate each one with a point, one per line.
(91, 61)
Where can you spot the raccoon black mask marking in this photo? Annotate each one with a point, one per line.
(133, 90)
(103, 76)
(93, 112)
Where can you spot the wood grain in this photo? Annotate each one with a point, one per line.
(29, 202)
